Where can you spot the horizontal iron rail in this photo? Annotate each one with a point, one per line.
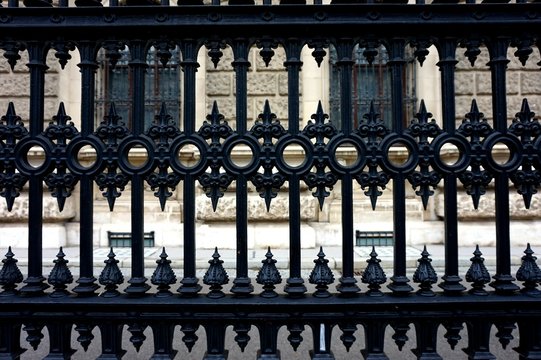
(328, 20)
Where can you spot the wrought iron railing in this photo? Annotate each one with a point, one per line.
(35, 300)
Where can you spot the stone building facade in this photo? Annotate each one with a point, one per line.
(270, 228)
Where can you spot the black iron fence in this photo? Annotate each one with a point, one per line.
(475, 300)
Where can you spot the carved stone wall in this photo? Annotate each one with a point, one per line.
(475, 83)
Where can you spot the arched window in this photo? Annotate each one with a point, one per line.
(372, 82)
(162, 84)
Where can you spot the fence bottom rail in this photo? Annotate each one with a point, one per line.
(176, 324)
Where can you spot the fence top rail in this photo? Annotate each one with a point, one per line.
(281, 21)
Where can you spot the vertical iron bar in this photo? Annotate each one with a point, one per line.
(426, 332)
(503, 280)
(37, 53)
(451, 279)
(215, 332)
(322, 342)
(397, 63)
(295, 283)
(344, 49)
(374, 334)
(86, 282)
(189, 65)
(111, 340)
(59, 340)
(10, 340)
(241, 284)
(137, 67)
(268, 338)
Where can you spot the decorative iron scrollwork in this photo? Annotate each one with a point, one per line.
(60, 276)
(10, 275)
(163, 131)
(528, 129)
(374, 275)
(111, 131)
(424, 180)
(61, 182)
(215, 130)
(476, 180)
(321, 181)
(373, 130)
(266, 128)
(216, 276)
(268, 276)
(12, 130)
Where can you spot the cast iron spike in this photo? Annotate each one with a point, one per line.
(529, 273)
(85, 334)
(505, 332)
(189, 338)
(374, 275)
(137, 337)
(242, 338)
(425, 275)
(111, 276)
(400, 336)
(294, 337)
(347, 337)
(268, 276)
(477, 274)
(215, 51)
(453, 332)
(163, 276)
(60, 276)
(216, 276)
(321, 275)
(10, 275)
(34, 334)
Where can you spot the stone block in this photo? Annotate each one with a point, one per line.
(278, 105)
(218, 83)
(262, 83)
(276, 63)
(279, 208)
(529, 83)
(225, 61)
(283, 84)
(464, 84)
(51, 213)
(16, 236)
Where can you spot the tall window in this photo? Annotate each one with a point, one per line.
(162, 84)
(372, 82)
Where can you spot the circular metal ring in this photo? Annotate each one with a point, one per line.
(360, 148)
(515, 153)
(283, 166)
(464, 150)
(73, 149)
(228, 162)
(124, 148)
(410, 164)
(21, 160)
(175, 160)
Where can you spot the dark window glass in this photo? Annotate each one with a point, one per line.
(162, 84)
(371, 82)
